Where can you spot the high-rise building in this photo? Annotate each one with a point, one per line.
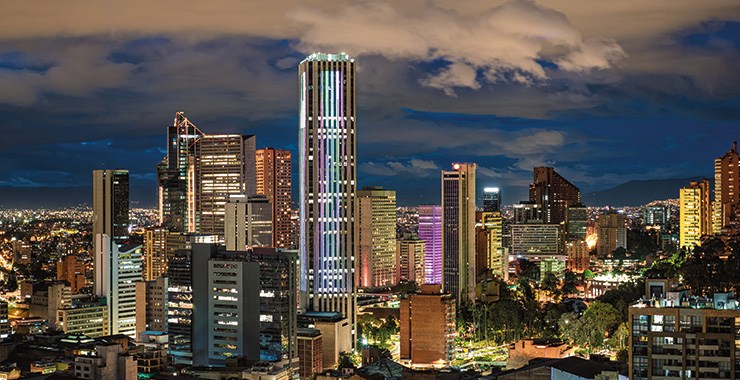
(176, 198)
(553, 194)
(458, 238)
(376, 232)
(695, 215)
(527, 212)
(117, 269)
(86, 316)
(411, 252)
(224, 166)
(576, 222)
(47, 300)
(72, 269)
(578, 255)
(491, 255)
(274, 181)
(248, 222)
(151, 305)
(612, 233)
(180, 306)
(310, 358)
(110, 204)
(536, 241)
(428, 327)
(430, 230)
(328, 154)
(656, 216)
(726, 204)
(155, 253)
(491, 199)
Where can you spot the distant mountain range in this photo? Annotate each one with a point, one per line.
(637, 192)
(632, 193)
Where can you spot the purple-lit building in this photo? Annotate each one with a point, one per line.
(430, 229)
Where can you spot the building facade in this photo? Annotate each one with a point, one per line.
(248, 222)
(612, 233)
(274, 170)
(726, 204)
(536, 241)
(328, 154)
(155, 253)
(553, 194)
(411, 252)
(428, 328)
(695, 215)
(430, 230)
(376, 229)
(458, 239)
(70, 268)
(491, 199)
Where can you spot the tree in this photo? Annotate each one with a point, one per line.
(346, 360)
(589, 331)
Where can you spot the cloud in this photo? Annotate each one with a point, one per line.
(414, 168)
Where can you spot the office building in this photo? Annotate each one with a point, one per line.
(578, 255)
(175, 175)
(458, 238)
(155, 253)
(428, 328)
(430, 230)
(327, 148)
(336, 333)
(180, 306)
(527, 212)
(680, 337)
(274, 181)
(491, 199)
(70, 268)
(726, 204)
(553, 194)
(248, 222)
(411, 252)
(491, 255)
(656, 216)
(310, 355)
(576, 222)
(536, 241)
(612, 233)
(47, 299)
(552, 265)
(224, 166)
(376, 231)
(117, 269)
(85, 316)
(110, 204)
(694, 217)
(151, 305)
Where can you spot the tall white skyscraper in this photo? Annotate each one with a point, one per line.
(327, 150)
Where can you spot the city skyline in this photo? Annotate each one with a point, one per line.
(604, 104)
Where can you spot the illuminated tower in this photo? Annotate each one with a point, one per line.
(430, 230)
(110, 204)
(694, 216)
(174, 173)
(224, 166)
(274, 182)
(553, 194)
(376, 232)
(327, 149)
(491, 199)
(458, 233)
(726, 187)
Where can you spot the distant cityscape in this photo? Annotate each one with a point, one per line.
(226, 278)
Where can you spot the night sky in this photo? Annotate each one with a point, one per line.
(604, 91)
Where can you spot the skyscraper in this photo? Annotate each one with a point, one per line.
(458, 238)
(726, 187)
(612, 233)
(430, 230)
(224, 166)
(274, 182)
(490, 251)
(491, 199)
(576, 222)
(695, 216)
(327, 148)
(376, 227)
(110, 204)
(117, 269)
(410, 267)
(553, 194)
(248, 222)
(176, 185)
(155, 253)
